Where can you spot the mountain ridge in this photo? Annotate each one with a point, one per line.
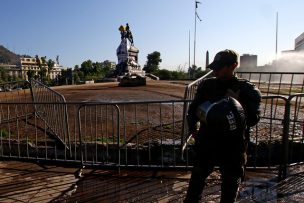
(8, 57)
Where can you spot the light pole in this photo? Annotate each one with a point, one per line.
(189, 69)
(195, 16)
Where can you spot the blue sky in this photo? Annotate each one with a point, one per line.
(78, 30)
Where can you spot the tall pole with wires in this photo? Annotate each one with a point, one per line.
(195, 17)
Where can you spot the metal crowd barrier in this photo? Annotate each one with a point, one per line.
(269, 83)
(131, 134)
(146, 134)
(276, 83)
(125, 134)
(282, 114)
(137, 134)
(54, 115)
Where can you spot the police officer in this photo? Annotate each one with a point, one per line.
(229, 107)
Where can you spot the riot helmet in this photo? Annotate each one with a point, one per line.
(224, 116)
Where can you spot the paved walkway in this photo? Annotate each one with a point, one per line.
(29, 182)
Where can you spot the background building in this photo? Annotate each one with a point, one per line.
(299, 43)
(248, 61)
(289, 60)
(110, 64)
(29, 63)
(13, 70)
(35, 64)
(15, 67)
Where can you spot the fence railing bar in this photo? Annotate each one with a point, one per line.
(125, 134)
(278, 93)
(270, 133)
(173, 133)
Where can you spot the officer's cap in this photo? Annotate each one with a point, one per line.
(222, 58)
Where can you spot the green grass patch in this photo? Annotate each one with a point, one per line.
(4, 133)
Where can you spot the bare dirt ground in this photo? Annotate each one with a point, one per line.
(105, 92)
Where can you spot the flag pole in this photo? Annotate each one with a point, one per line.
(195, 16)
(189, 56)
(194, 32)
(276, 48)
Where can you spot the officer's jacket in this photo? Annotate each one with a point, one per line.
(213, 89)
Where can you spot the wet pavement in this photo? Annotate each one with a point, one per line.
(34, 182)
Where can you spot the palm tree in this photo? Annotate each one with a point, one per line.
(50, 64)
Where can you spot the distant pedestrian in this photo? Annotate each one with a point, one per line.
(226, 107)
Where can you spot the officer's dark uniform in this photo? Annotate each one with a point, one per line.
(214, 147)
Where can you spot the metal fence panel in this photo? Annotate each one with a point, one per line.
(142, 134)
(99, 134)
(55, 116)
(296, 129)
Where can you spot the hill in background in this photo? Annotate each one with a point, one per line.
(8, 57)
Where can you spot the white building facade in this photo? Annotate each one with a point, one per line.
(299, 43)
(30, 63)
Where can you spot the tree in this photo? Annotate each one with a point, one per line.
(153, 61)
(97, 68)
(106, 69)
(42, 69)
(43, 60)
(30, 74)
(76, 77)
(164, 74)
(191, 71)
(200, 73)
(87, 67)
(42, 74)
(178, 75)
(50, 64)
(66, 77)
(195, 72)
(76, 68)
(3, 74)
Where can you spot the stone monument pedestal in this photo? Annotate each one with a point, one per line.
(129, 72)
